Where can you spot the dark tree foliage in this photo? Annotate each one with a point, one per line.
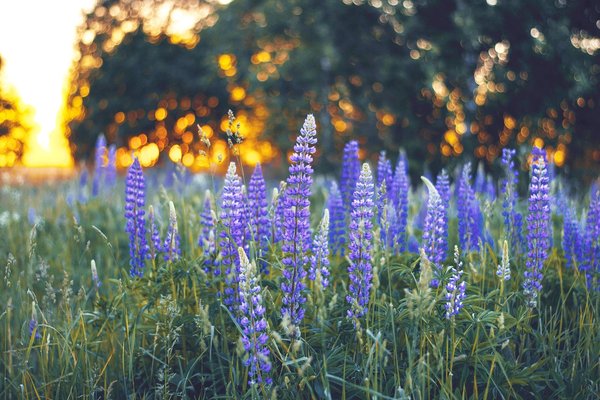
(436, 77)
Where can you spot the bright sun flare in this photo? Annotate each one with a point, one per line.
(37, 49)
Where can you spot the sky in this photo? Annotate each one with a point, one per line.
(37, 42)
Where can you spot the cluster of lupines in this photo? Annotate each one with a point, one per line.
(135, 193)
(434, 239)
(296, 225)
(361, 240)
(253, 323)
(538, 226)
(232, 235)
(513, 220)
(319, 260)
(246, 219)
(469, 214)
(455, 291)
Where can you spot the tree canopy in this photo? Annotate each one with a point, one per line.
(436, 77)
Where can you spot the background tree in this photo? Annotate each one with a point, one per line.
(438, 78)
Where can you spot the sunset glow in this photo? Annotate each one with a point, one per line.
(37, 50)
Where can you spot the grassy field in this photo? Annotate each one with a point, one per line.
(65, 333)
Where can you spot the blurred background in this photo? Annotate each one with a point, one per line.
(441, 79)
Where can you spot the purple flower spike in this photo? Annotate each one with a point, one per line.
(572, 237)
(278, 203)
(591, 251)
(350, 172)
(384, 172)
(296, 226)
(513, 220)
(469, 215)
(434, 239)
(442, 185)
(538, 227)
(111, 168)
(135, 192)
(400, 189)
(155, 242)
(337, 221)
(232, 235)
(319, 261)
(253, 323)
(172, 246)
(207, 235)
(361, 242)
(455, 291)
(260, 224)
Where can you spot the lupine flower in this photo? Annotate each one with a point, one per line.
(253, 323)
(206, 239)
(513, 220)
(296, 225)
(382, 201)
(172, 246)
(31, 216)
(83, 181)
(100, 165)
(591, 256)
(503, 271)
(135, 192)
(155, 242)
(278, 203)
(350, 172)
(434, 241)
(573, 239)
(400, 189)
(232, 235)
(480, 179)
(337, 221)
(455, 291)
(384, 188)
(95, 278)
(413, 244)
(538, 226)
(384, 172)
(490, 189)
(469, 215)
(361, 242)
(33, 324)
(319, 261)
(111, 167)
(442, 185)
(258, 215)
